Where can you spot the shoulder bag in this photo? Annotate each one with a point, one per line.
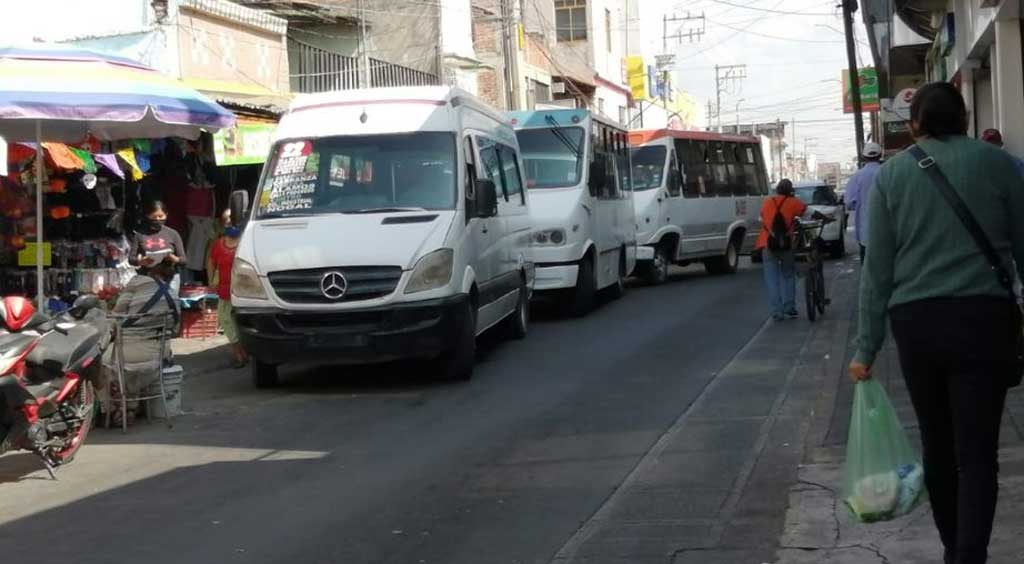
(928, 165)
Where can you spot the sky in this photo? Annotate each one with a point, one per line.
(794, 51)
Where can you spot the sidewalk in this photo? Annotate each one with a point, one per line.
(820, 529)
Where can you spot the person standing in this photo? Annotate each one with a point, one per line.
(951, 315)
(858, 189)
(994, 137)
(780, 263)
(218, 268)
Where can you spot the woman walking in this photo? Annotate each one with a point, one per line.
(951, 315)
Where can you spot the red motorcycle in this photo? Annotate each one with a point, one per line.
(48, 370)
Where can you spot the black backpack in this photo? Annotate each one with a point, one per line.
(778, 236)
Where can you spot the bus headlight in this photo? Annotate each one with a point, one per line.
(431, 272)
(549, 237)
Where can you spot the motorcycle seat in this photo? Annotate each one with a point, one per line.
(56, 353)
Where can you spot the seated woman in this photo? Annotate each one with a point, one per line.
(147, 299)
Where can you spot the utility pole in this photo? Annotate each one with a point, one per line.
(710, 115)
(738, 115)
(364, 53)
(731, 73)
(779, 136)
(693, 34)
(849, 7)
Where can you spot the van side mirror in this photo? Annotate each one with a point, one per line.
(239, 206)
(597, 177)
(486, 198)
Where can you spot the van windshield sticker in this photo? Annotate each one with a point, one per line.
(293, 181)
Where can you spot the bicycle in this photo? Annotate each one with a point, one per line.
(811, 247)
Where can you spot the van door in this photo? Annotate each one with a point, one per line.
(673, 205)
(489, 236)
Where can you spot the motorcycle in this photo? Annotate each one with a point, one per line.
(49, 368)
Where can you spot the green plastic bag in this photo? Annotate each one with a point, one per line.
(884, 477)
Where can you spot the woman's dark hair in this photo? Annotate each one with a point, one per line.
(784, 187)
(152, 206)
(938, 110)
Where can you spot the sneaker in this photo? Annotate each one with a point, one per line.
(792, 314)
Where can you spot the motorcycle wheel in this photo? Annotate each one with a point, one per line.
(83, 406)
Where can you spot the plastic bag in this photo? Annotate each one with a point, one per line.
(884, 477)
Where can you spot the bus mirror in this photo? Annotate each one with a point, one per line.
(239, 206)
(598, 176)
(486, 198)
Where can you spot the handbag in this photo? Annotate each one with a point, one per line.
(929, 166)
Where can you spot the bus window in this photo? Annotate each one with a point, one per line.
(751, 179)
(694, 167)
(734, 168)
(762, 172)
(719, 169)
(673, 180)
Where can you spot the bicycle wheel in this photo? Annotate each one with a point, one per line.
(809, 294)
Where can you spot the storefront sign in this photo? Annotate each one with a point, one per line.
(636, 77)
(665, 63)
(245, 143)
(868, 81)
(895, 114)
(27, 256)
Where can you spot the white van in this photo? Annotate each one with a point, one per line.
(389, 223)
(698, 197)
(581, 201)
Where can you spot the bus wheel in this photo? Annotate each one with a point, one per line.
(728, 262)
(585, 293)
(656, 271)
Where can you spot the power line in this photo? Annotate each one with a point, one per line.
(770, 11)
(776, 37)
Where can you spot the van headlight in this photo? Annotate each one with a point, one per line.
(245, 281)
(549, 237)
(431, 272)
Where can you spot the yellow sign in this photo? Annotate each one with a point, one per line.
(636, 77)
(27, 256)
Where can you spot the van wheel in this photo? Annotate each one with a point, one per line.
(838, 248)
(264, 375)
(656, 271)
(618, 289)
(585, 293)
(518, 322)
(728, 262)
(456, 364)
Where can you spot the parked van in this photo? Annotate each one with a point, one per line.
(581, 201)
(698, 198)
(389, 223)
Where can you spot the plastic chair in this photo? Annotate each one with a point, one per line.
(156, 365)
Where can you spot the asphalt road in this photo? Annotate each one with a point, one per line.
(381, 465)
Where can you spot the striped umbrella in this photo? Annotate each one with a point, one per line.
(63, 93)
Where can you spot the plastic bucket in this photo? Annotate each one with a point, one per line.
(174, 377)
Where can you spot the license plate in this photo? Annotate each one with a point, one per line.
(339, 340)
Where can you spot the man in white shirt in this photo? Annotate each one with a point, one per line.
(858, 190)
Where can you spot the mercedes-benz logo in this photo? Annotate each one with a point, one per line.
(333, 285)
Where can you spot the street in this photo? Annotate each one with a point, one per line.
(377, 465)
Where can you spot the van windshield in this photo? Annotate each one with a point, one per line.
(366, 174)
(816, 195)
(648, 167)
(551, 156)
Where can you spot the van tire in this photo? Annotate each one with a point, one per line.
(264, 375)
(584, 295)
(656, 271)
(456, 364)
(518, 322)
(728, 262)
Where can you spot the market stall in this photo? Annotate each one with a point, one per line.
(71, 106)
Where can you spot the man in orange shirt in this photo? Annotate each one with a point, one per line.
(776, 245)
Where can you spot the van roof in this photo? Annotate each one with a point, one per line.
(644, 136)
(564, 117)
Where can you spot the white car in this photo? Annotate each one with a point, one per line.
(821, 197)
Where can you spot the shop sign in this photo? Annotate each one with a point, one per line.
(895, 117)
(27, 256)
(868, 82)
(636, 77)
(245, 143)
(665, 63)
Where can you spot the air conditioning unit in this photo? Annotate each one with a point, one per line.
(558, 88)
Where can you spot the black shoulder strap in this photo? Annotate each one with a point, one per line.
(928, 164)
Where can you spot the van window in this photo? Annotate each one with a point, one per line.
(695, 167)
(350, 174)
(672, 182)
(762, 172)
(719, 169)
(648, 167)
(513, 181)
(552, 156)
(734, 168)
(751, 179)
(817, 195)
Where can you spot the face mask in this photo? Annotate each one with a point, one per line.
(232, 231)
(156, 224)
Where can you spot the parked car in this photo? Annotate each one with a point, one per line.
(389, 223)
(821, 197)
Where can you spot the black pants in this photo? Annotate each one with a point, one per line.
(863, 250)
(955, 354)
